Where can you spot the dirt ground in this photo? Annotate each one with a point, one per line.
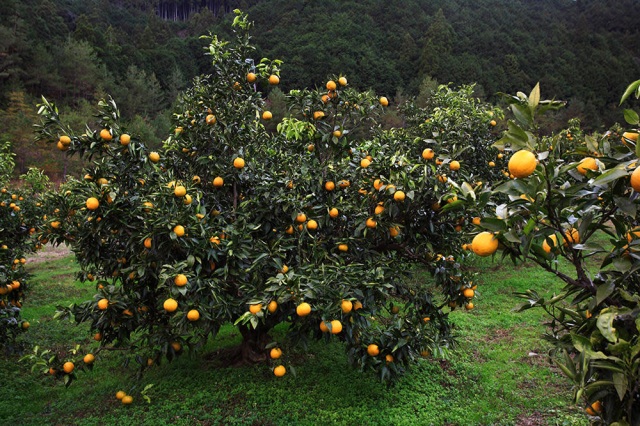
(49, 252)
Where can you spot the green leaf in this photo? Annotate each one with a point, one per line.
(620, 383)
(605, 325)
(631, 117)
(633, 87)
(583, 345)
(611, 175)
(534, 97)
(604, 290)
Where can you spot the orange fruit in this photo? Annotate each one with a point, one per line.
(317, 115)
(303, 309)
(92, 203)
(280, 371)
(267, 115)
(545, 245)
(384, 101)
(106, 134)
(25, 325)
(211, 119)
(336, 327)
(255, 308)
(337, 133)
(103, 304)
(428, 154)
(180, 191)
(193, 315)
(399, 196)
(587, 163)
(89, 358)
(97, 337)
(66, 140)
(571, 236)
(333, 213)
(176, 346)
(371, 223)
(312, 225)
(251, 77)
(120, 394)
(329, 186)
(218, 182)
(323, 327)
(357, 305)
(484, 244)
(179, 230)
(272, 306)
(346, 306)
(379, 209)
(454, 165)
(238, 163)
(493, 122)
(388, 358)
(68, 367)
(301, 218)
(125, 139)
(170, 305)
(377, 184)
(180, 280)
(635, 179)
(342, 81)
(626, 135)
(274, 79)
(373, 350)
(468, 293)
(343, 247)
(522, 164)
(394, 231)
(331, 85)
(148, 242)
(154, 157)
(365, 162)
(476, 221)
(275, 353)
(289, 230)
(492, 164)
(128, 399)
(469, 306)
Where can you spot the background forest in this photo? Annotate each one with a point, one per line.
(144, 52)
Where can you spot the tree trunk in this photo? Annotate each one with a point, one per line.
(250, 351)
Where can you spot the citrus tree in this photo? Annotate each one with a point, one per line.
(316, 226)
(19, 217)
(571, 207)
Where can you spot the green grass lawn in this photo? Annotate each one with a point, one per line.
(499, 374)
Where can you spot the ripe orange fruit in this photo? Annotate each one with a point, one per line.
(379, 209)
(251, 77)
(399, 196)
(493, 122)
(279, 371)
(154, 157)
(388, 358)
(218, 182)
(180, 191)
(89, 358)
(66, 140)
(176, 346)
(342, 81)
(545, 245)
(594, 408)
(336, 327)
(394, 231)
(267, 115)
(97, 337)
(125, 139)
(476, 221)
(454, 165)
(331, 85)
(329, 186)
(238, 163)
(346, 306)
(428, 154)
(384, 101)
(193, 315)
(274, 79)
(179, 230)
(106, 134)
(68, 367)
(92, 203)
(323, 327)
(275, 353)
(301, 218)
(303, 309)
(103, 304)
(484, 244)
(180, 280)
(635, 179)
(170, 305)
(626, 135)
(120, 394)
(333, 213)
(211, 119)
(337, 133)
(492, 164)
(373, 350)
(148, 242)
(312, 225)
(571, 236)
(127, 400)
(522, 163)
(289, 230)
(343, 247)
(272, 306)
(25, 325)
(371, 223)
(587, 163)
(365, 162)
(255, 308)
(317, 115)
(469, 306)
(468, 293)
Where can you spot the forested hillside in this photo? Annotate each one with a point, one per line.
(144, 52)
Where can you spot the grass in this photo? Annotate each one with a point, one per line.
(499, 375)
